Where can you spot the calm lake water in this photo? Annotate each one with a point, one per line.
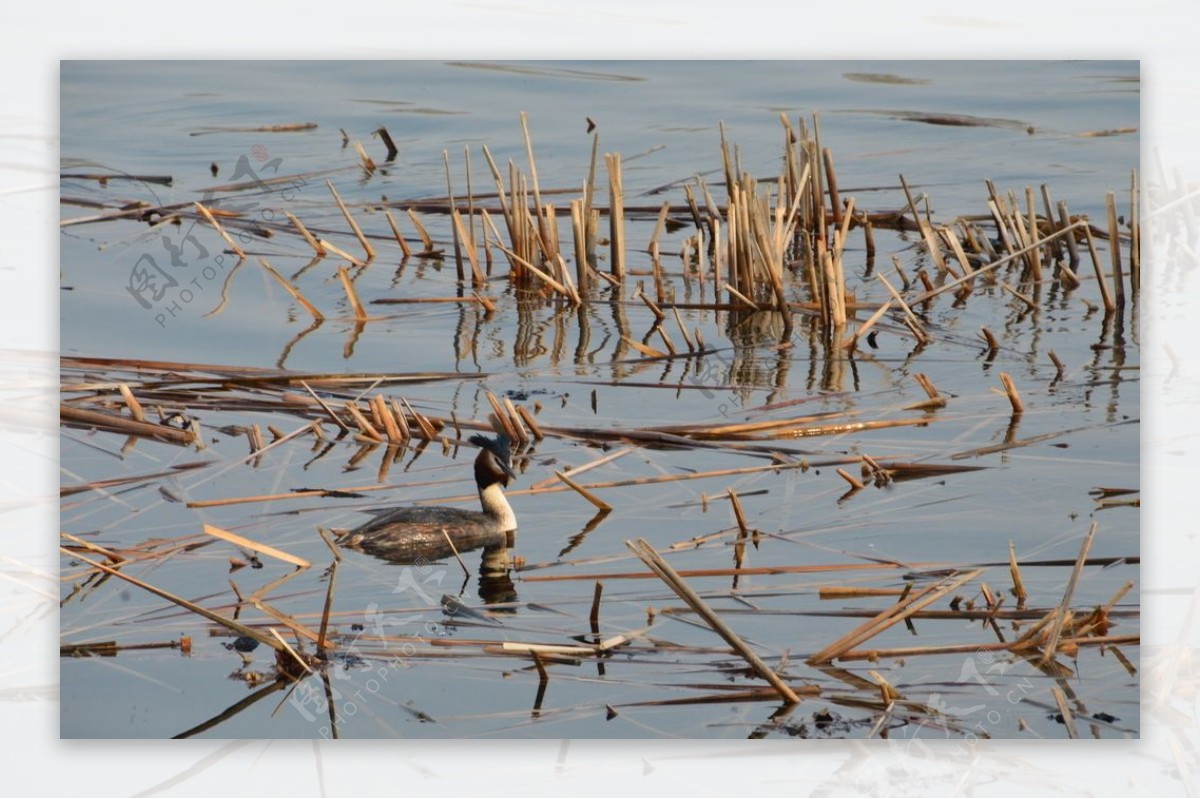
(1035, 123)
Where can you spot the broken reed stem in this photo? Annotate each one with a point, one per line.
(212, 220)
(360, 314)
(668, 575)
(1114, 247)
(583, 492)
(1014, 569)
(1014, 397)
(915, 323)
(310, 238)
(738, 513)
(422, 233)
(291, 289)
(616, 214)
(366, 245)
(854, 482)
(340, 253)
(135, 407)
(1060, 614)
(852, 340)
(1068, 717)
(1105, 295)
(399, 236)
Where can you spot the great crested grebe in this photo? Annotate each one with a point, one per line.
(410, 533)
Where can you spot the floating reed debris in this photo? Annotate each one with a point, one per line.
(893, 615)
(85, 418)
(235, 626)
(854, 482)
(663, 569)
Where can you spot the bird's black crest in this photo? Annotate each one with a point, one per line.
(499, 446)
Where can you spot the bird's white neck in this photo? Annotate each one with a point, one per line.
(495, 504)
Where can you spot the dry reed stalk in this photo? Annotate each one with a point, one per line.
(363, 425)
(661, 223)
(958, 649)
(668, 575)
(1064, 710)
(662, 333)
(1052, 640)
(1135, 235)
(742, 572)
(957, 249)
(854, 592)
(1116, 597)
(401, 420)
(404, 248)
(1014, 569)
(654, 309)
(746, 300)
(1028, 302)
(545, 278)
(582, 278)
(1035, 255)
(336, 419)
(309, 237)
(990, 338)
(585, 467)
(905, 283)
(1064, 220)
(887, 691)
(322, 632)
(368, 164)
(508, 426)
(1058, 364)
(594, 616)
(212, 220)
(422, 233)
(230, 624)
(1010, 389)
(1109, 304)
(530, 422)
(124, 424)
(427, 430)
(287, 649)
(360, 313)
(835, 202)
(648, 351)
(854, 482)
(917, 328)
(292, 290)
(366, 245)
(340, 253)
(931, 242)
(988, 267)
(738, 513)
(135, 407)
(851, 341)
(583, 492)
(616, 214)
(891, 616)
(1114, 247)
(510, 412)
(462, 240)
(386, 420)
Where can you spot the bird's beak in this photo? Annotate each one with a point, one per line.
(509, 474)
